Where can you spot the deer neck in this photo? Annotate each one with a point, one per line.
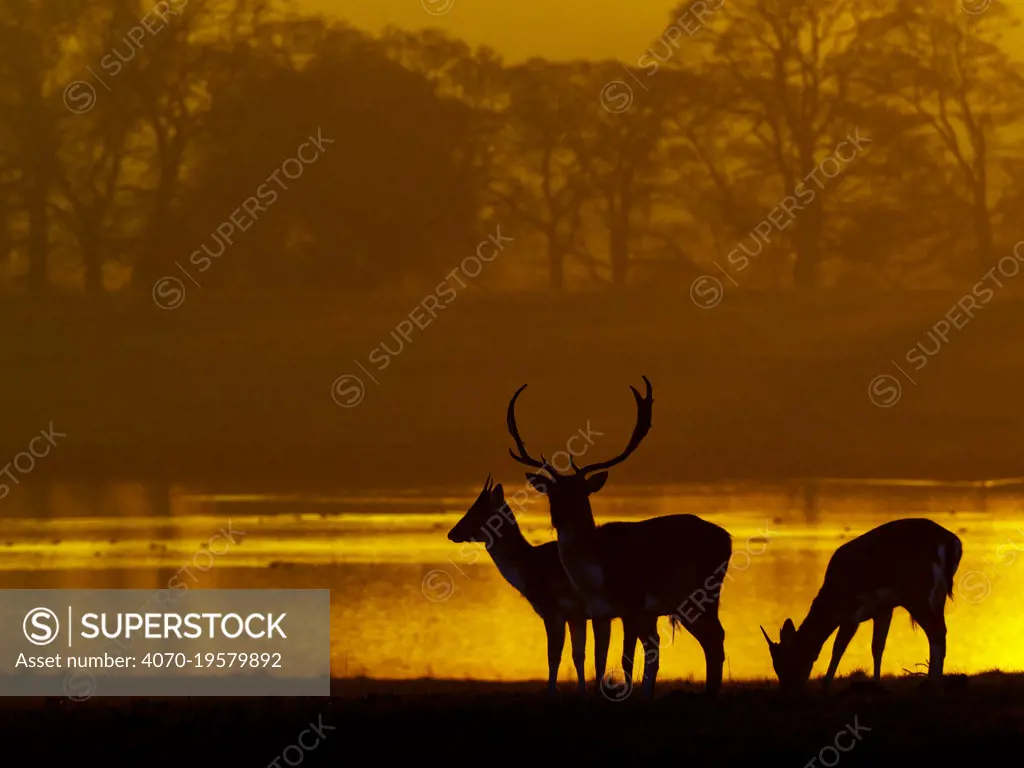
(511, 552)
(508, 546)
(821, 622)
(578, 550)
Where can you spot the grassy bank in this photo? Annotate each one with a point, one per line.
(975, 719)
(238, 391)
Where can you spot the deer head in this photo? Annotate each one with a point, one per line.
(569, 494)
(791, 662)
(484, 520)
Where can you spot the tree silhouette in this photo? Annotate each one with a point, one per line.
(946, 69)
(435, 143)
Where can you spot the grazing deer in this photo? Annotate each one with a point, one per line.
(638, 570)
(536, 572)
(904, 563)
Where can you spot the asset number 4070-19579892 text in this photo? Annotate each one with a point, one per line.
(216, 660)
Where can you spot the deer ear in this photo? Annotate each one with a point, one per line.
(498, 495)
(539, 482)
(788, 630)
(596, 482)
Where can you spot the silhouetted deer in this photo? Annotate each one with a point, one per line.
(637, 570)
(904, 563)
(536, 572)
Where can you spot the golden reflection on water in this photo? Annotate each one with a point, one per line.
(375, 552)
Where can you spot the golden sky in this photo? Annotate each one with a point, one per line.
(555, 29)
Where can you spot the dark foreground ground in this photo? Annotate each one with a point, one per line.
(975, 719)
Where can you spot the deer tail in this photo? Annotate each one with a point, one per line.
(952, 564)
(674, 621)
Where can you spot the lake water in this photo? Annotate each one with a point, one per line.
(407, 603)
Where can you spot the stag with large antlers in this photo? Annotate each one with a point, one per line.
(666, 566)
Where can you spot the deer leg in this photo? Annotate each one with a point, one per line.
(630, 634)
(602, 637)
(578, 640)
(934, 626)
(843, 638)
(555, 629)
(879, 632)
(652, 654)
(709, 633)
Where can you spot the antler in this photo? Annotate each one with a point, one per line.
(523, 457)
(644, 406)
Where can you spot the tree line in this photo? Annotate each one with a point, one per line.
(863, 143)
